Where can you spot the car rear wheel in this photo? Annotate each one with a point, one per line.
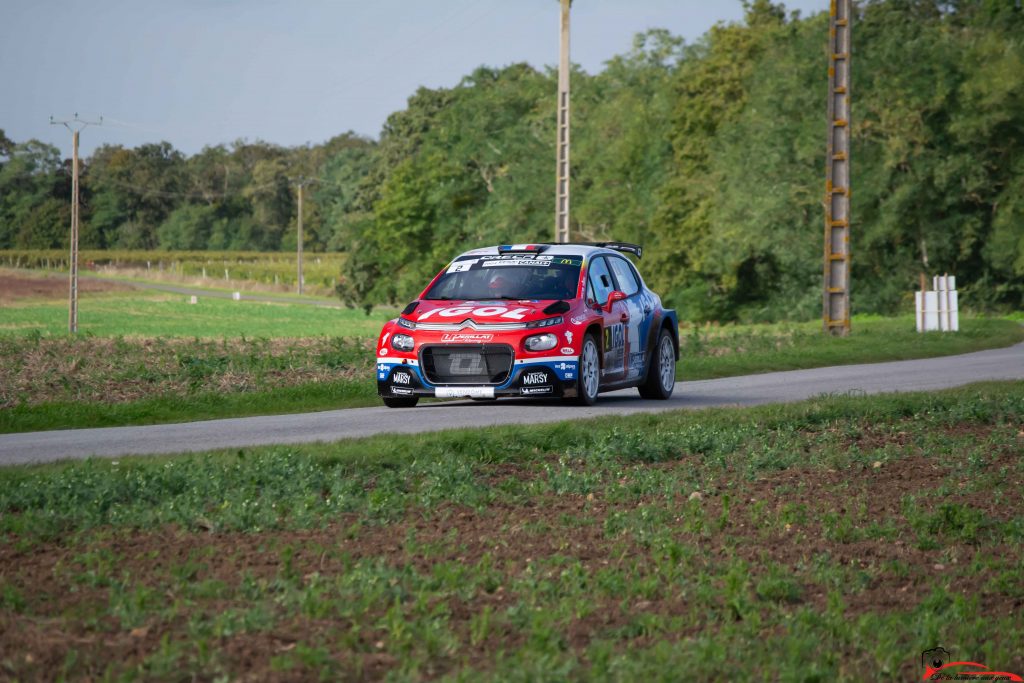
(401, 401)
(588, 380)
(661, 374)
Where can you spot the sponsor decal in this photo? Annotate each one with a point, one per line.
(469, 337)
(464, 392)
(535, 378)
(401, 378)
(614, 337)
(569, 375)
(567, 350)
(533, 391)
(636, 362)
(467, 364)
(400, 391)
(477, 311)
(519, 257)
(517, 262)
(578, 320)
(565, 366)
(383, 352)
(384, 340)
(937, 667)
(568, 337)
(462, 266)
(516, 259)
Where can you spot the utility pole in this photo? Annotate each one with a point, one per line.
(300, 183)
(75, 125)
(562, 153)
(836, 290)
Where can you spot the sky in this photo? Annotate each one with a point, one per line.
(290, 72)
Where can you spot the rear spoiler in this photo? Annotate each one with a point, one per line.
(625, 247)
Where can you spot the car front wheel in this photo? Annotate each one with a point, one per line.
(589, 376)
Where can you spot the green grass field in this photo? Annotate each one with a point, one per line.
(834, 539)
(153, 314)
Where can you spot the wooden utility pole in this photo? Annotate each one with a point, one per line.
(562, 154)
(836, 290)
(75, 125)
(300, 183)
(299, 244)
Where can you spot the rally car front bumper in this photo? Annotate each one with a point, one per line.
(530, 377)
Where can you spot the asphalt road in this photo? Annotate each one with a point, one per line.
(776, 387)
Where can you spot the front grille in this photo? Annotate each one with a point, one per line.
(466, 363)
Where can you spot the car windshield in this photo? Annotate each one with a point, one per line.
(509, 276)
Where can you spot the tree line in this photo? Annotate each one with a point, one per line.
(711, 155)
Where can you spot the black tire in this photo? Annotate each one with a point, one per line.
(661, 371)
(401, 401)
(588, 373)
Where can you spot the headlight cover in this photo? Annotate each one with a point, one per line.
(407, 324)
(402, 342)
(546, 322)
(541, 342)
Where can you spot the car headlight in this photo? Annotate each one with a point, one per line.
(546, 322)
(402, 342)
(408, 324)
(541, 342)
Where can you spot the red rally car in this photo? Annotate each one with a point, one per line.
(540, 320)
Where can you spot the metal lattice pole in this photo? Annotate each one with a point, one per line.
(562, 174)
(836, 294)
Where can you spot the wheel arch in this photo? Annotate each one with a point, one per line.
(595, 329)
(671, 323)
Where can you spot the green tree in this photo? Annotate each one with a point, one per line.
(32, 185)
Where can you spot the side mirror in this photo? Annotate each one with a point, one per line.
(614, 296)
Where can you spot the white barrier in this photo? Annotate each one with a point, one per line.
(237, 296)
(938, 310)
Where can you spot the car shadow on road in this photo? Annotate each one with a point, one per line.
(616, 399)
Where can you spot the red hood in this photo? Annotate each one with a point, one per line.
(485, 312)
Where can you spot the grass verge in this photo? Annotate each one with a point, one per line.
(202, 405)
(727, 351)
(836, 538)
